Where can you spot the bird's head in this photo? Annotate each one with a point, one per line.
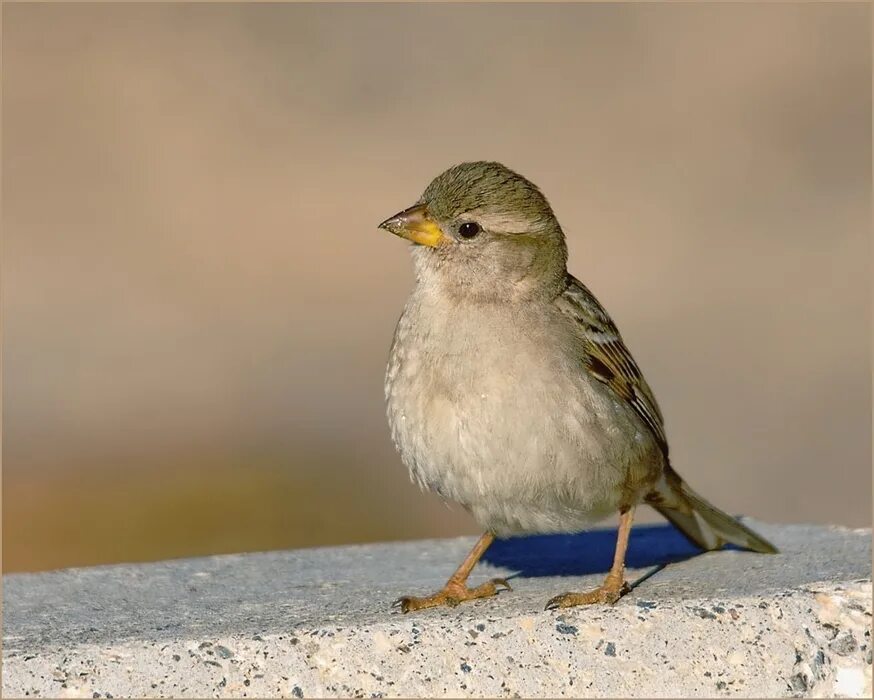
(484, 232)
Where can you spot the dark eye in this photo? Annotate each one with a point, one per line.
(469, 229)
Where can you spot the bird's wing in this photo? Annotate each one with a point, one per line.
(607, 359)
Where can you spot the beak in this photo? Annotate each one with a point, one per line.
(415, 225)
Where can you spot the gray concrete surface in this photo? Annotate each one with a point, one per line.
(318, 622)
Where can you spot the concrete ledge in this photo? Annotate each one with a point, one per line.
(318, 623)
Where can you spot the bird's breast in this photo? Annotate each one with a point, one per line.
(494, 410)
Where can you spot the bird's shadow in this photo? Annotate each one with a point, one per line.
(589, 552)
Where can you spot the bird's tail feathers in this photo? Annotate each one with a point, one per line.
(700, 521)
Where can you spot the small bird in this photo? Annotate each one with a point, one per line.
(510, 391)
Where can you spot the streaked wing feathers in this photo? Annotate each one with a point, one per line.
(607, 358)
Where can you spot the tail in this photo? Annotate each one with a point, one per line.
(703, 523)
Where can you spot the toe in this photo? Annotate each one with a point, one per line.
(452, 595)
(411, 603)
(607, 596)
(557, 602)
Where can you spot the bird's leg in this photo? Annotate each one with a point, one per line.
(614, 586)
(456, 591)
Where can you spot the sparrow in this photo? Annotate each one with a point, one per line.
(510, 391)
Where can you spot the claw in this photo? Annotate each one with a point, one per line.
(403, 604)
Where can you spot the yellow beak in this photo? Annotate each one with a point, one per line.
(415, 225)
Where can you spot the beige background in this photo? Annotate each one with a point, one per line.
(198, 304)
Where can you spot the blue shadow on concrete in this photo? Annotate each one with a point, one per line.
(589, 552)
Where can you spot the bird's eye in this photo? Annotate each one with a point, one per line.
(469, 229)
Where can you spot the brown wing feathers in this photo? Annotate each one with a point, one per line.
(609, 360)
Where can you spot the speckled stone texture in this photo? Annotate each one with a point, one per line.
(318, 622)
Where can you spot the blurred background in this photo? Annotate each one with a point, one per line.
(198, 306)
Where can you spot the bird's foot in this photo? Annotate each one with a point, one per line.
(452, 594)
(606, 594)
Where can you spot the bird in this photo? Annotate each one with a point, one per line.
(509, 389)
